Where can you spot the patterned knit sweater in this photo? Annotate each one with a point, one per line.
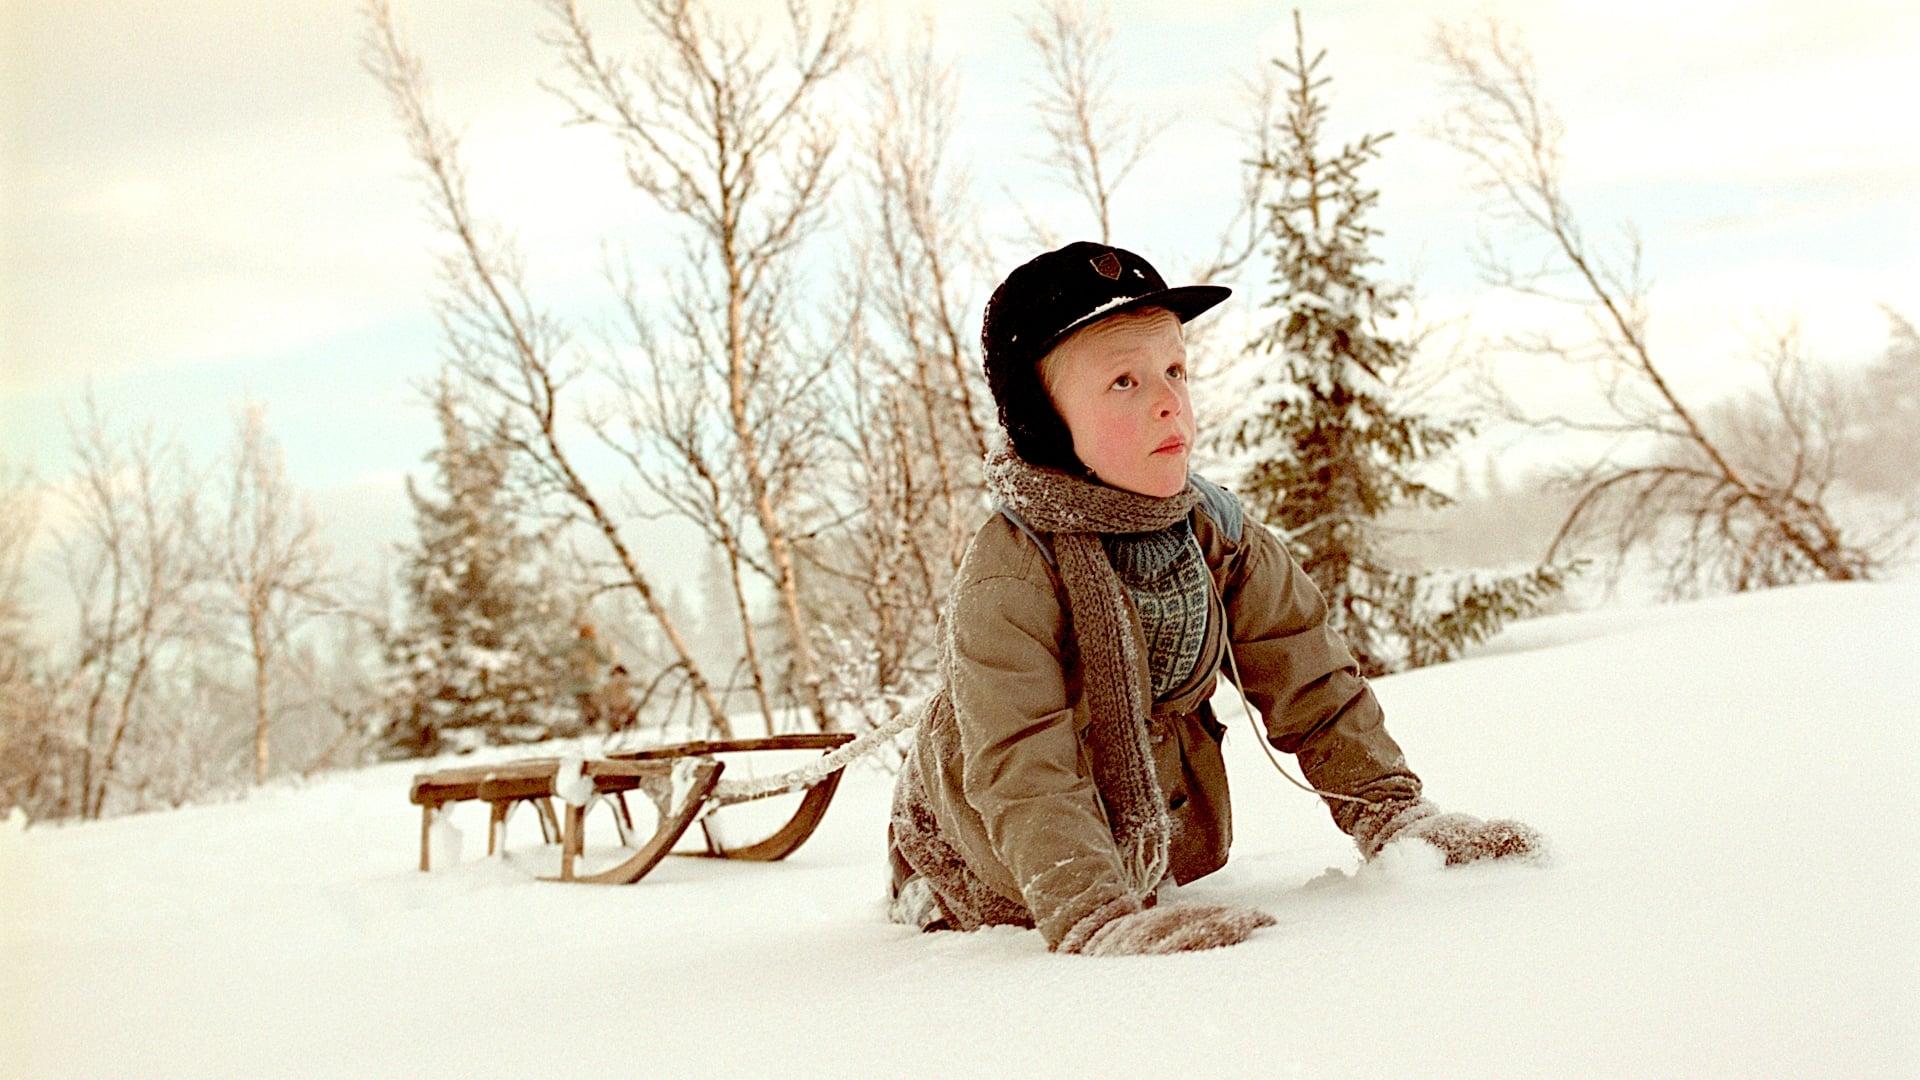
(1166, 575)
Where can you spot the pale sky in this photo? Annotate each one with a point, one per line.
(207, 198)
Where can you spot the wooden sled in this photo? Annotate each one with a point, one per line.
(531, 780)
(655, 778)
(788, 838)
(650, 771)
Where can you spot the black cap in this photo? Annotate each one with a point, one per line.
(1038, 305)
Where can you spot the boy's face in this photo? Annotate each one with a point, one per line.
(1121, 386)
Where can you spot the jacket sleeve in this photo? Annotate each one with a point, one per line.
(1299, 674)
(1021, 763)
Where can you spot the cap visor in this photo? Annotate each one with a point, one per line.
(1186, 302)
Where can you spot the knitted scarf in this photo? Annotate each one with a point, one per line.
(1076, 511)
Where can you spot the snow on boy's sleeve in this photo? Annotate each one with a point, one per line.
(1020, 752)
(1300, 675)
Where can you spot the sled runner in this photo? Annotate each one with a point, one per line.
(788, 838)
(682, 782)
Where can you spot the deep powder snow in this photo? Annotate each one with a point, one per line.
(1726, 785)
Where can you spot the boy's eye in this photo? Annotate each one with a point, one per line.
(1176, 370)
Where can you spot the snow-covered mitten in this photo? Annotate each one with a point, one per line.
(1462, 838)
(1123, 928)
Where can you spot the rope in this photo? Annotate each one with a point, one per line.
(819, 768)
(1259, 735)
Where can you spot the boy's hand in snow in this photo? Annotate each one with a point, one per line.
(1465, 838)
(1462, 838)
(1126, 929)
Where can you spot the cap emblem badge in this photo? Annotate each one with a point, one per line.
(1108, 265)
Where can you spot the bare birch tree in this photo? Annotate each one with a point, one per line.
(511, 352)
(133, 559)
(916, 393)
(1093, 147)
(1673, 488)
(675, 406)
(925, 257)
(1090, 144)
(19, 521)
(32, 743)
(737, 147)
(268, 562)
(345, 680)
(911, 400)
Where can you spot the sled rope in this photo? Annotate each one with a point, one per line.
(1260, 736)
(819, 768)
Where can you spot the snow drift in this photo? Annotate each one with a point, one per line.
(1731, 894)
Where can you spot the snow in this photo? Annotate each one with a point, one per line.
(569, 785)
(680, 783)
(445, 841)
(1731, 893)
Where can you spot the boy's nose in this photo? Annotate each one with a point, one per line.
(1168, 403)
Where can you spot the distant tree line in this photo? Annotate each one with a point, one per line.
(190, 588)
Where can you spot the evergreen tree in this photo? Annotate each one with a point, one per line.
(1328, 449)
(479, 655)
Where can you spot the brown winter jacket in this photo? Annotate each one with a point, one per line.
(1008, 782)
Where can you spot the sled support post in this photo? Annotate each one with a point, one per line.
(497, 826)
(572, 842)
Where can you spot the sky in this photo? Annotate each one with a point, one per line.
(207, 200)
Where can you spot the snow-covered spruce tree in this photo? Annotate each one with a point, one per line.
(477, 657)
(1327, 450)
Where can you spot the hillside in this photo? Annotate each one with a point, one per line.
(1731, 894)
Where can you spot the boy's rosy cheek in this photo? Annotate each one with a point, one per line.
(1115, 431)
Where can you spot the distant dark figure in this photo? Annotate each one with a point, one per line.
(586, 662)
(617, 706)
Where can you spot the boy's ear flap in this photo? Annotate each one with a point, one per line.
(1222, 506)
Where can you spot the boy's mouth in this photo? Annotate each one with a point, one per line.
(1173, 445)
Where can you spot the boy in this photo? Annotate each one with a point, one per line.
(1070, 762)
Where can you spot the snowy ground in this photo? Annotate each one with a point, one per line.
(1733, 894)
